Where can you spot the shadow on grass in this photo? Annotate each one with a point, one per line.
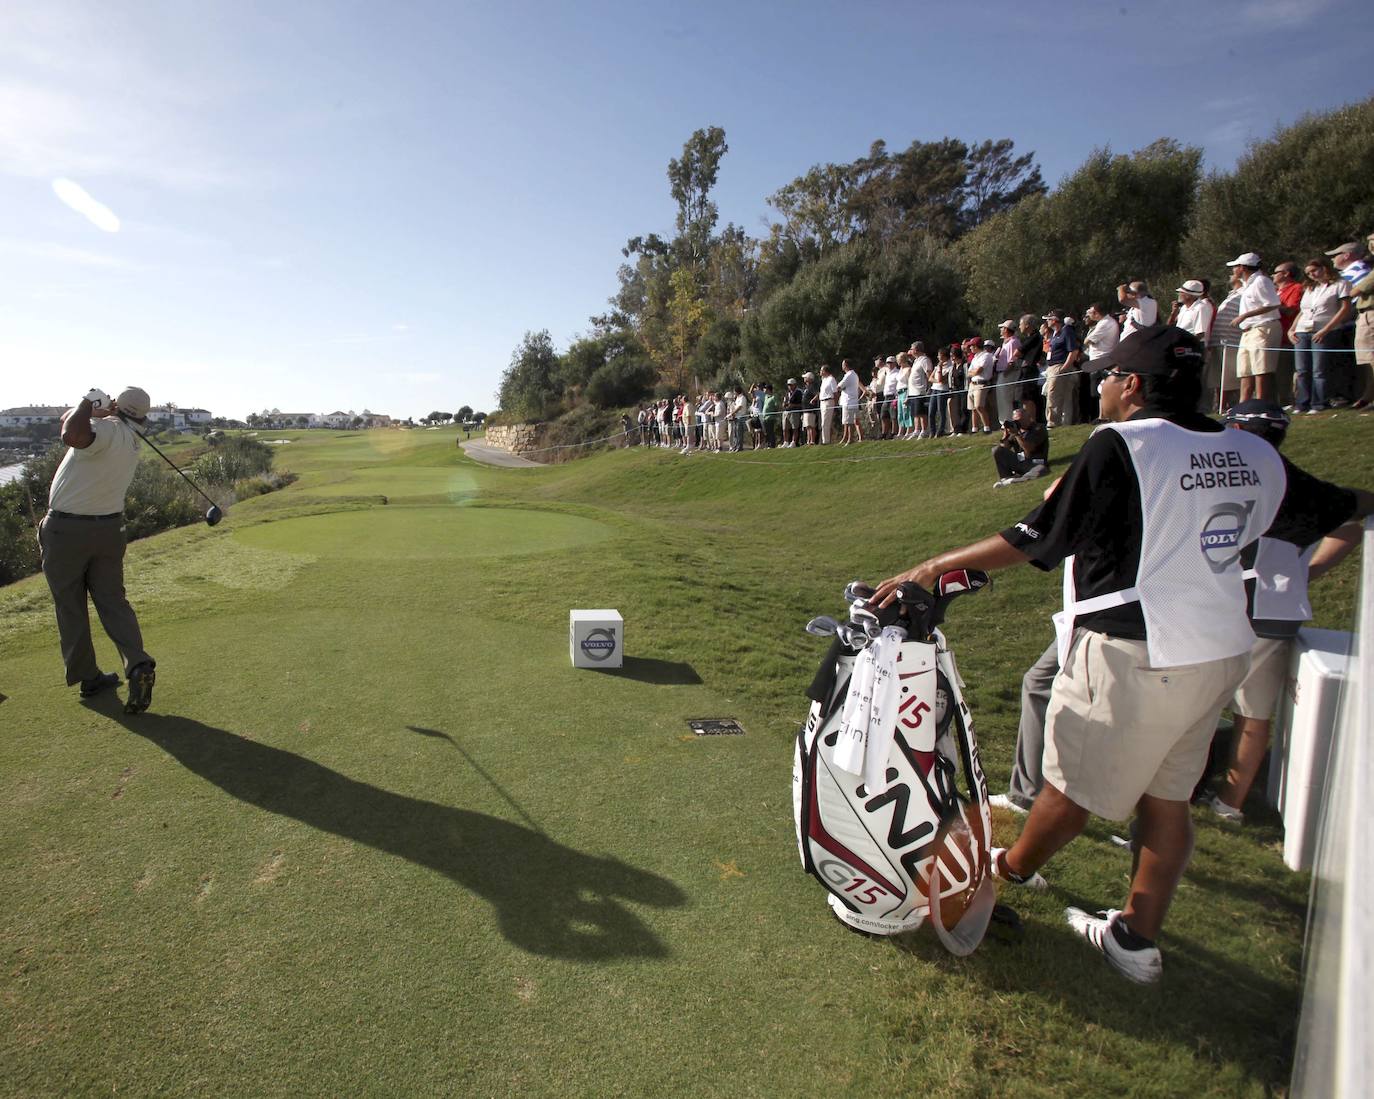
(1207, 1005)
(646, 669)
(549, 899)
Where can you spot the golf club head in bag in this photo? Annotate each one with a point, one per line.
(920, 846)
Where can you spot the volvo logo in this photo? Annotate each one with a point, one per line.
(599, 644)
(1221, 536)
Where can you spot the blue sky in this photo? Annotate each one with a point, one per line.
(313, 206)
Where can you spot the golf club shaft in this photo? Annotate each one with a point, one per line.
(174, 466)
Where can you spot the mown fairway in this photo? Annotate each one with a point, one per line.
(377, 837)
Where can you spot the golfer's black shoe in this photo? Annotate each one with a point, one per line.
(140, 695)
(101, 681)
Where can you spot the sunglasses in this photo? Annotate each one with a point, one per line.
(1115, 373)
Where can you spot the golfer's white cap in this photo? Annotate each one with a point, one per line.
(1245, 259)
(134, 401)
(1192, 286)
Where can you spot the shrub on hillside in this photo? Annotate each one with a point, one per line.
(231, 460)
(261, 486)
(1293, 196)
(1117, 217)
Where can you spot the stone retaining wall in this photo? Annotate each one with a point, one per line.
(517, 438)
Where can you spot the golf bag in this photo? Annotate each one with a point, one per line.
(906, 833)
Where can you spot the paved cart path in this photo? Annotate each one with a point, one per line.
(494, 455)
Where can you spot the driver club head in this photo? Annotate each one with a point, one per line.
(213, 515)
(822, 626)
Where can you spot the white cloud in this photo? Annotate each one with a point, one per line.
(61, 253)
(79, 199)
(1282, 14)
(88, 93)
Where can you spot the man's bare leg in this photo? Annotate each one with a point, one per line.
(1252, 742)
(1164, 844)
(1053, 822)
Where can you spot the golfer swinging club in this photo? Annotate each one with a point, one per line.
(82, 540)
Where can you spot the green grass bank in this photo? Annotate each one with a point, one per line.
(376, 837)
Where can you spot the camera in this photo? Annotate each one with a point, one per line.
(1008, 425)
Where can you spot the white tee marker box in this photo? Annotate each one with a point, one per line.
(596, 639)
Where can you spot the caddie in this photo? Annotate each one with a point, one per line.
(82, 539)
(1149, 522)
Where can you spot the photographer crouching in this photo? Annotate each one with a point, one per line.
(1023, 453)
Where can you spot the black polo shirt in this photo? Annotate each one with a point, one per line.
(1095, 515)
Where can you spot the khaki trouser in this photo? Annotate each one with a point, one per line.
(827, 419)
(1061, 381)
(81, 557)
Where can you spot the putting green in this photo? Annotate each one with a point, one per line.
(423, 533)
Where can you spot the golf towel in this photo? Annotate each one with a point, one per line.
(870, 712)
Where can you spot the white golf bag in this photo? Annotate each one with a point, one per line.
(889, 797)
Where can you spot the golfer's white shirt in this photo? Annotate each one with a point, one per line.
(849, 386)
(828, 388)
(93, 481)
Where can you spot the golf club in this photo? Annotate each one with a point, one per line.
(824, 626)
(212, 514)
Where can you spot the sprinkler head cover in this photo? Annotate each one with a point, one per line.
(213, 515)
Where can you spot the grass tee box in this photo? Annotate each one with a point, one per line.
(596, 639)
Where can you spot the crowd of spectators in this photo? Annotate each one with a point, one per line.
(1284, 335)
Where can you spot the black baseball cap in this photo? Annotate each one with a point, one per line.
(1258, 412)
(1161, 349)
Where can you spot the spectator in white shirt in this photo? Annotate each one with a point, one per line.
(1192, 311)
(1326, 306)
(851, 389)
(918, 392)
(1142, 311)
(1104, 334)
(981, 371)
(829, 387)
(1257, 360)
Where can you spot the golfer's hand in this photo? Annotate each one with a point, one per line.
(886, 592)
(99, 399)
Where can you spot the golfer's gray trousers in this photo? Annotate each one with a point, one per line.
(1027, 773)
(81, 557)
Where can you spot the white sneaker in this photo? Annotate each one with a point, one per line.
(1143, 966)
(1228, 813)
(1004, 482)
(1003, 801)
(1035, 882)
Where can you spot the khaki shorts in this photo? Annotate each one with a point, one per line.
(1258, 692)
(1364, 338)
(850, 414)
(1117, 729)
(977, 396)
(808, 419)
(1258, 352)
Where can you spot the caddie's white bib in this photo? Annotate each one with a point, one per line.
(1204, 496)
(1280, 576)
